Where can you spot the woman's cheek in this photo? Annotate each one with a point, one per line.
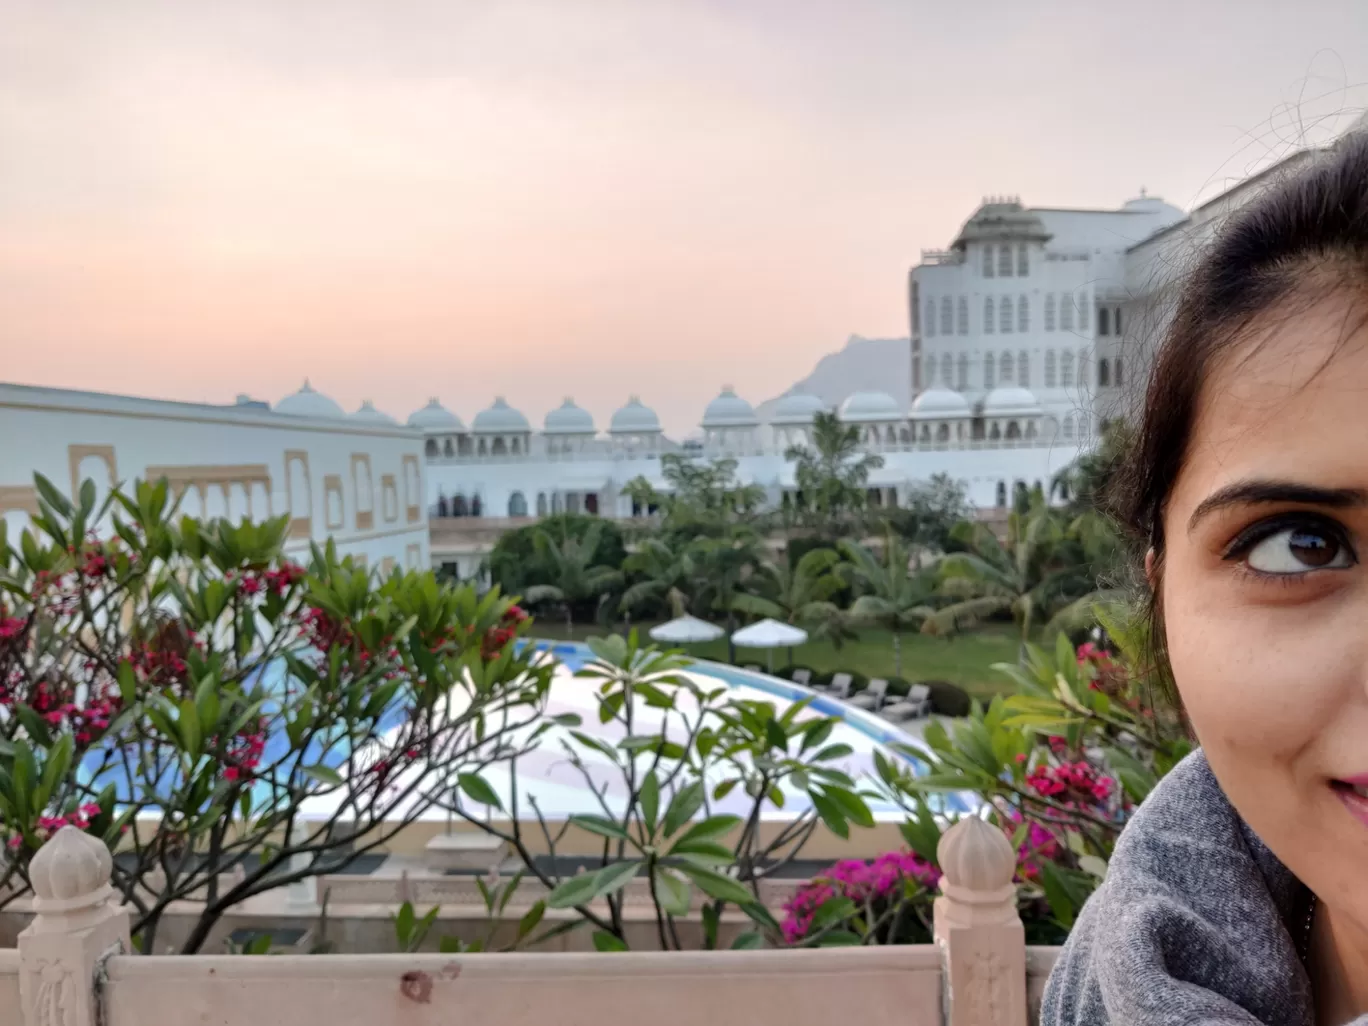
(1255, 676)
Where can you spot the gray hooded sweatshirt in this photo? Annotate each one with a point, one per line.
(1197, 923)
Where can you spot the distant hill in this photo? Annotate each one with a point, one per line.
(864, 365)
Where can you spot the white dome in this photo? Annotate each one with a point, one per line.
(1011, 401)
(940, 404)
(729, 410)
(568, 419)
(308, 403)
(865, 407)
(435, 417)
(634, 419)
(370, 415)
(797, 408)
(500, 419)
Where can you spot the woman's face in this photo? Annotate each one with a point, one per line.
(1265, 591)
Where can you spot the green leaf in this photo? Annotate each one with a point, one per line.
(602, 826)
(725, 788)
(323, 774)
(716, 885)
(831, 912)
(530, 919)
(816, 733)
(650, 801)
(686, 801)
(1057, 893)
(833, 752)
(584, 888)
(830, 813)
(673, 891)
(475, 786)
(188, 725)
(775, 735)
(852, 806)
(710, 829)
(748, 941)
(604, 941)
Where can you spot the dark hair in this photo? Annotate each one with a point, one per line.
(1267, 252)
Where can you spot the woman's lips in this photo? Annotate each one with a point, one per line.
(1354, 794)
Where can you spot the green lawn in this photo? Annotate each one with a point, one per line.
(965, 660)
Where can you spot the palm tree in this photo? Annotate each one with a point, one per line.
(799, 595)
(896, 597)
(666, 576)
(722, 566)
(832, 472)
(575, 577)
(1025, 576)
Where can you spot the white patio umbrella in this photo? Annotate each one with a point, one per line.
(770, 634)
(686, 630)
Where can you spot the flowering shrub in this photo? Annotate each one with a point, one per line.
(888, 896)
(187, 693)
(1059, 766)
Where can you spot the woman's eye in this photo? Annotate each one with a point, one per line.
(1296, 550)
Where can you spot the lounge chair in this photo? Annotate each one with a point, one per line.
(803, 677)
(840, 685)
(916, 704)
(872, 697)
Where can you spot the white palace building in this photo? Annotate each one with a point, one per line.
(1024, 336)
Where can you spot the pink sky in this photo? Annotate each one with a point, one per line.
(584, 197)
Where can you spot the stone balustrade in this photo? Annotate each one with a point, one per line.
(73, 967)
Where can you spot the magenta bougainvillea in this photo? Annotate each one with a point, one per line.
(875, 882)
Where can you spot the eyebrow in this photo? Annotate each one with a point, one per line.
(1253, 493)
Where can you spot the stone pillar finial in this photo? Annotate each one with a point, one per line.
(978, 929)
(77, 924)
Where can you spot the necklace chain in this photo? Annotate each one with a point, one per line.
(1306, 930)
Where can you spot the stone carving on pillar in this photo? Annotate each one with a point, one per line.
(77, 925)
(978, 929)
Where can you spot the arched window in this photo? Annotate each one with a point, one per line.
(930, 317)
(1120, 380)
(962, 310)
(1068, 427)
(988, 315)
(987, 261)
(1005, 315)
(1023, 314)
(1002, 493)
(1066, 312)
(430, 448)
(517, 505)
(1103, 373)
(1103, 321)
(947, 326)
(448, 450)
(1116, 320)
(541, 504)
(1005, 368)
(459, 508)
(1051, 371)
(988, 367)
(1066, 378)
(995, 433)
(947, 370)
(1050, 312)
(1084, 305)
(516, 446)
(943, 433)
(1023, 369)
(499, 448)
(1084, 378)
(484, 448)
(1023, 261)
(1004, 261)
(963, 369)
(1013, 431)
